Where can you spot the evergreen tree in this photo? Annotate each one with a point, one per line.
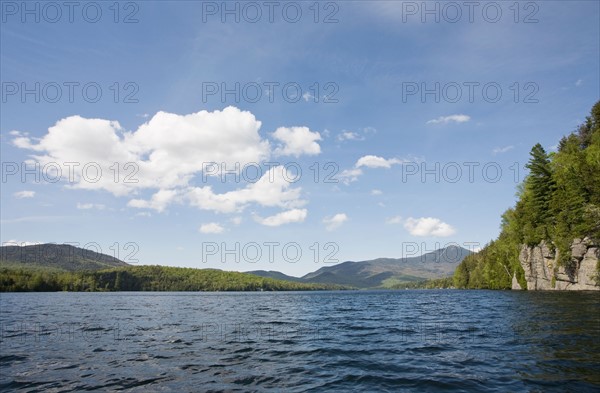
(540, 184)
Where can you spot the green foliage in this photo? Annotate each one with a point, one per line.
(491, 268)
(438, 283)
(558, 202)
(144, 278)
(399, 281)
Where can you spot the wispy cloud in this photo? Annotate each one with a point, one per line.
(307, 96)
(349, 136)
(450, 119)
(359, 135)
(19, 243)
(24, 194)
(32, 219)
(393, 220)
(500, 150)
(89, 206)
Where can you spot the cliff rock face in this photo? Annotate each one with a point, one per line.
(543, 273)
(515, 283)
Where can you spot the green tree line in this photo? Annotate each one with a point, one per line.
(558, 202)
(144, 278)
(436, 283)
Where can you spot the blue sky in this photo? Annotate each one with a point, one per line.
(375, 136)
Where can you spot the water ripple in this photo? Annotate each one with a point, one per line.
(384, 341)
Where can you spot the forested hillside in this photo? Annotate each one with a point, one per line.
(59, 257)
(144, 278)
(559, 201)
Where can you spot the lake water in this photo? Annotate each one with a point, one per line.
(366, 341)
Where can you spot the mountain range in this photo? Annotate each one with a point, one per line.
(382, 272)
(376, 273)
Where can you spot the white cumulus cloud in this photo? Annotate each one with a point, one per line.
(271, 190)
(296, 141)
(334, 222)
(286, 217)
(428, 226)
(159, 201)
(167, 153)
(211, 228)
(371, 161)
(347, 176)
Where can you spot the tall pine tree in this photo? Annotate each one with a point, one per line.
(540, 185)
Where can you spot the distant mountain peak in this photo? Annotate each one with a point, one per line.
(380, 272)
(64, 257)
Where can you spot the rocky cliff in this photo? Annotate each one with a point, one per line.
(543, 273)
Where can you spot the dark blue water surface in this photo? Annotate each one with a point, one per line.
(438, 340)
